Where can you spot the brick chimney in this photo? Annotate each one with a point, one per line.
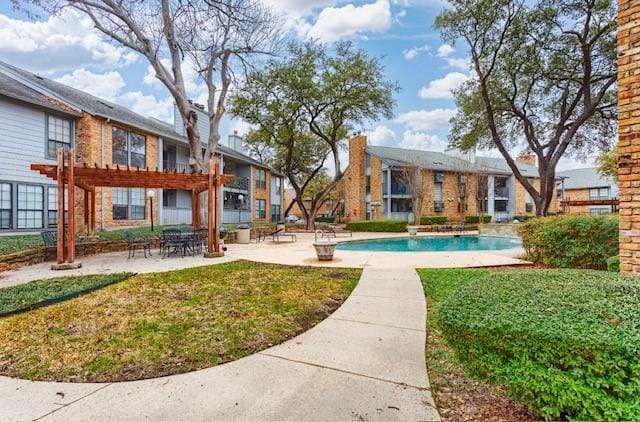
(354, 179)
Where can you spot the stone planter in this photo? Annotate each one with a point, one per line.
(325, 250)
(413, 230)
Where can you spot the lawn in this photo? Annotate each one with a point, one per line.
(563, 342)
(39, 292)
(458, 396)
(160, 324)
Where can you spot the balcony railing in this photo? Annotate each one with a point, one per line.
(501, 192)
(178, 166)
(241, 183)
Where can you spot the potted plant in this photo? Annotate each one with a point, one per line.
(325, 249)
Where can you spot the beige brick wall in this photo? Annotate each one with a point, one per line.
(93, 147)
(376, 187)
(354, 183)
(629, 134)
(258, 193)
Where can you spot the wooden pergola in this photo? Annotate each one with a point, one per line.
(66, 173)
(567, 203)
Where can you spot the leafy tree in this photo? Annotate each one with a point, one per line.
(216, 38)
(304, 105)
(608, 162)
(544, 74)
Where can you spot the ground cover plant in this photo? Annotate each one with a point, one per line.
(378, 226)
(166, 323)
(576, 241)
(459, 397)
(565, 342)
(37, 292)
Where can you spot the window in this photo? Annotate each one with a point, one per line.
(599, 210)
(275, 213)
(30, 207)
(501, 205)
(599, 193)
(278, 185)
(128, 203)
(367, 184)
(261, 208)
(5, 205)
(58, 134)
(169, 198)
(128, 148)
(261, 179)
(52, 206)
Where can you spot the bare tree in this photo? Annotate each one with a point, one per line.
(411, 176)
(216, 37)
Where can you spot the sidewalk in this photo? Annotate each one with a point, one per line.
(364, 362)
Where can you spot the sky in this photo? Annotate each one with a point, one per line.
(68, 49)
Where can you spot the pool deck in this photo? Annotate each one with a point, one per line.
(286, 253)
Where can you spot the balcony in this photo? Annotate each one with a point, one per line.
(178, 166)
(501, 192)
(240, 183)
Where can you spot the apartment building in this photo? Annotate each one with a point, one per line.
(456, 184)
(592, 192)
(38, 115)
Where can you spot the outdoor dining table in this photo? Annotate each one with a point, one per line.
(185, 242)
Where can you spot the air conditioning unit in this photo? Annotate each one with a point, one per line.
(439, 177)
(438, 206)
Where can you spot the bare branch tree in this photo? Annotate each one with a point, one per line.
(411, 176)
(217, 38)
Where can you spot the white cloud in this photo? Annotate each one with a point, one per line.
(334, 23)
(382, 135)
(105, 85)
(419, 120)
(62, 42)
(463, 64)
(442, 88)
(414, 52)
(444, 50)
(422, 141)
(297, 7)
(148, 105)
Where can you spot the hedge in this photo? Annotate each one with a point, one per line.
(571, 241)
(565, 342)
(475, 219)
(378, 226)
(613, 264)
(431, 220)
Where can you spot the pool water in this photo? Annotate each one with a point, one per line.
(432, 244)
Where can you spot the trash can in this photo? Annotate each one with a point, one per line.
(244, 234)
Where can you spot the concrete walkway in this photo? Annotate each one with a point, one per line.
(365, 362)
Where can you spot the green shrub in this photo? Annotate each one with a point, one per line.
(524, 217)
(565, 342)
(378, 226)
(330, 219)
(430, 220)
(571, 241)
(475, 219)
(613, 264)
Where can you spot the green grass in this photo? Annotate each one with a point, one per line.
(564, 342)
(11, 244)
(159, 324)
(31, 294)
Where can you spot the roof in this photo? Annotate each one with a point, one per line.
(12, 88)
(584, 178)
(440, 161)
(102, 108)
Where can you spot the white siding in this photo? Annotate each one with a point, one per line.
(22, 142)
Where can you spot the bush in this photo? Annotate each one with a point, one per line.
(613, 264)
(565, 342)
(571, 241)
(330, 219)
(430, 220)
(523, 218)
(475, 219)
(378, 226)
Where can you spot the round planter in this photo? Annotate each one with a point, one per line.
(413, 230)
(325, 250)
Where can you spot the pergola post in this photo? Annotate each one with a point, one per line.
(71, 219)
(86, 211)
(92, 210)
(60, 251)
(216, 212)
(195, 209)
(213, 231)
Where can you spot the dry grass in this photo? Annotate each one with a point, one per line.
(160, 324)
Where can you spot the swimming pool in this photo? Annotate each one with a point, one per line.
(432, 244)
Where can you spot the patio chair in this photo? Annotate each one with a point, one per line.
(263, 236)
(50, 241)
(171, 242)
(198, 241)
(280, 233)
(134, 242)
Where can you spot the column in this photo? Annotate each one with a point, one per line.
(491, 195)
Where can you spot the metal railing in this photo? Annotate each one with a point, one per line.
(501, 192)
(178, 166)
(239, 182)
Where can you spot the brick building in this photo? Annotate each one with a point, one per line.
(585, 185)
(373, 186)
(38, 115)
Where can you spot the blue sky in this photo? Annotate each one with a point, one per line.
(68, 49)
